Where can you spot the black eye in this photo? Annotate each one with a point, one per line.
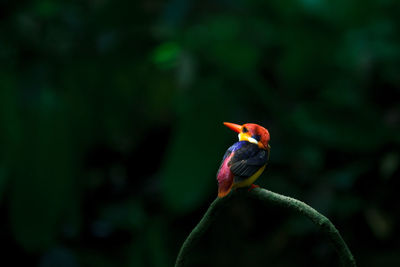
(257, 137)
(244, 130)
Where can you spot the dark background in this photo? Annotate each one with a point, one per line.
(111, 129)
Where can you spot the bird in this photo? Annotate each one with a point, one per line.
(245, 160)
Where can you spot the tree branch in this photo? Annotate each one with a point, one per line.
(264, 195)
(320, 220)
(200, 229)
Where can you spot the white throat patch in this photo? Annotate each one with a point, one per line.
(252, 140)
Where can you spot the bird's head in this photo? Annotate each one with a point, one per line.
(252, 133)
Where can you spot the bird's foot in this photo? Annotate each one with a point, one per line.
(252, 186)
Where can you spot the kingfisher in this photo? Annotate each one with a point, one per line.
(245, 160)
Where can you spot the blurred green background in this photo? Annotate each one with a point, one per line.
(111, 129)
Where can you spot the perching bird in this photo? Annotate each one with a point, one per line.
(245, 160)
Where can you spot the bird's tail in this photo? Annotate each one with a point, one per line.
(224, 187)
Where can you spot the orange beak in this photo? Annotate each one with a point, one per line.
(235, 127)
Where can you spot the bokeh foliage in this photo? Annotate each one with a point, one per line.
(111, 129)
